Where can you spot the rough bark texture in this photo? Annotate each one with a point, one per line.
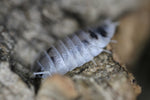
(29, 26)
(106, 81)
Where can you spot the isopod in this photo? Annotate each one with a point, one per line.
(74, 50)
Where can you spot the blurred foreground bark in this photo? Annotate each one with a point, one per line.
(133, 35)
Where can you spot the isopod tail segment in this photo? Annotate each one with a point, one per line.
(74, 50)
(38, 73)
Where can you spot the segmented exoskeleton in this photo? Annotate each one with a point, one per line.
(74, 50)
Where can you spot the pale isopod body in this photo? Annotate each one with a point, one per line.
(74, 50)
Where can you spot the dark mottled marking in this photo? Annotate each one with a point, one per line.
(53, 59)
(49, 49)
(85, 41)
(92, 34)
(101, 31)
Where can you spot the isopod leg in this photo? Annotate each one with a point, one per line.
(113, 41)
(107, 51)
(94, 62)
(103, 50)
